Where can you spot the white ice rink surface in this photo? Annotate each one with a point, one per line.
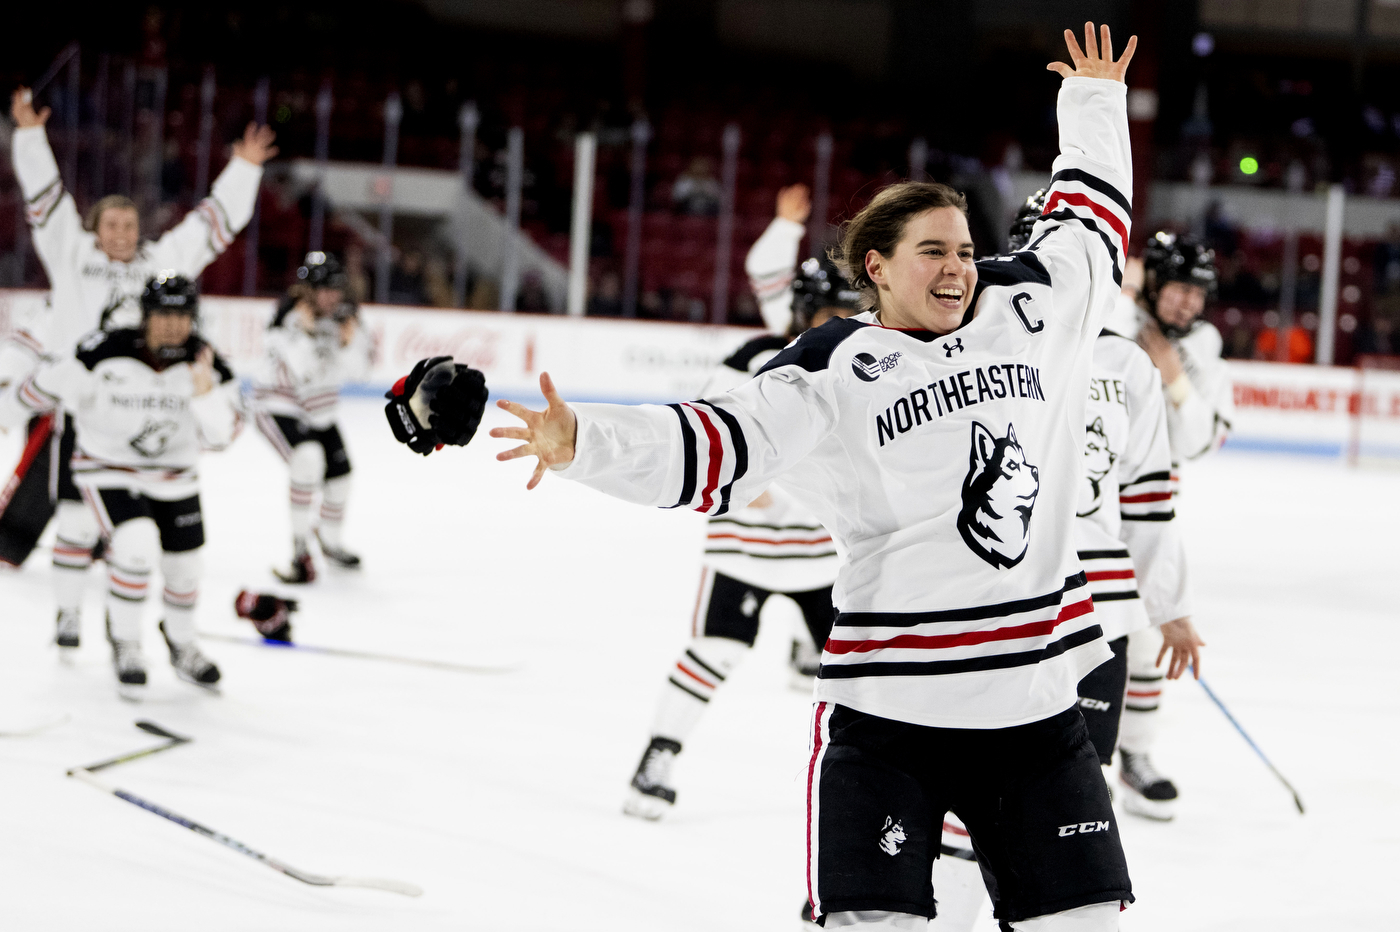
(500, 792)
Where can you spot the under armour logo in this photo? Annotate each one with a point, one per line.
(955, 347)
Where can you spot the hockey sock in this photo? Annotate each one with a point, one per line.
(699, 671)
(182, 572)
(334, 495)
(72, 553)
(307, 466)
(1100, 917)
(126, 597)
(1141, 708)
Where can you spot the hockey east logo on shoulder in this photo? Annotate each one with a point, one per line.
(867, 368)
(892, 836)
(998, 496)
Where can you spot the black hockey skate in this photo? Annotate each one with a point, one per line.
(649, 796)
(69, 626)
(302, 570)
(803, 664)
(190, 664)
(1148, 793)
(130, 666)
(338, 555)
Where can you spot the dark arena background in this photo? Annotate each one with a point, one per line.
(574, 186)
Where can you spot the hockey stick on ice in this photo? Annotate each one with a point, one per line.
(360, 655)
(173, 741)
(1297, 800)
(316, 880)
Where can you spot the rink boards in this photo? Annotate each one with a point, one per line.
(1331, 411)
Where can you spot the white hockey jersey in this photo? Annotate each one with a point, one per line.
(780, 547)
(138, 427)
(947, 467)
(771, 266)
(1201, 422)
(1126, 531)
(302, 372)
(89, 290)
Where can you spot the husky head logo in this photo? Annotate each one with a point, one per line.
(1098, 460)
(154, 438)
(997, 497)
(891, 836)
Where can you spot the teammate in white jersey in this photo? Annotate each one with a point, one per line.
(773, 546)
(145, 402)
(96, 273)
(1164, 296)
(939, 438)
(314, 344)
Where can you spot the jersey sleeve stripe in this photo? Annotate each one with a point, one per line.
(1095, 182)
(1101, 575)
(1153, 516)
(1145, 497)
(1079, 199)
(1090, 225)
(41, 206)
(741, 453)
(1148, 477)
(1104, 555)
(716, 458)
(688, 456)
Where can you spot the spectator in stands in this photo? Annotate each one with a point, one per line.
(607, 297)
(406, 284)
(1300, 345)
(1374, 337)
(652, 306)
(1239, 343)
(697, 191)
(532, 296)
(356, 273)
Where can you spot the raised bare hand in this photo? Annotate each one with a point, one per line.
(549, 435)
(1180, 638)
(795, 203)
(22, 109)
(1091, 62)
(1163, 354)
(202, 371)
(256, 145)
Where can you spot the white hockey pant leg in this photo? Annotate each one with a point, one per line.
(133, 554)
(958, 887)
(1100, 917)
(307, 466)
(870, 920)
(334, 496)
(72, 553)
(698, 673)
(1141, 718)
(182, 572)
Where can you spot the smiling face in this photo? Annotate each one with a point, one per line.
(167, 329)
(1179, 303)
(118, 233)
(926, 282)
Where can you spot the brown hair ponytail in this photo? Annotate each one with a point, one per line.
(880, 225)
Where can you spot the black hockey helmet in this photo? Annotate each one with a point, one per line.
(819, 284)
(1026, 216)
(322, 270)
(1168, 257)
(170, 292)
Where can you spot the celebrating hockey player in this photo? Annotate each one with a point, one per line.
(939, 438)
(314, 344)
(97, 270)
(1133, 558)
(773, 545)
(1164, 296)
(145, 400)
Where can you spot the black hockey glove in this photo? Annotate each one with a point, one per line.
(271, 615)
(457, 407)
(439, 402)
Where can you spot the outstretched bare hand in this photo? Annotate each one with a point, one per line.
(256, 145)
(795, 203)
(22, 109)
(1179, 637)
(549, 435)
(1088, 62)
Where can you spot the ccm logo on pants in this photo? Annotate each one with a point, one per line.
(1082, 828)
